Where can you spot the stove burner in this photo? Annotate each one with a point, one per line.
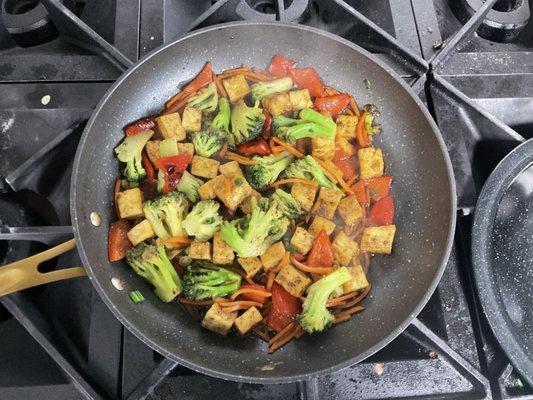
(266, 10)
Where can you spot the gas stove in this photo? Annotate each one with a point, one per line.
(470, 61)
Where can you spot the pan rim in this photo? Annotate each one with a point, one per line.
(294, 377)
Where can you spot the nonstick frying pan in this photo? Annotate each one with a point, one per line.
(414, 153)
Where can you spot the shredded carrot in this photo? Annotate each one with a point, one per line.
(236, 308)
(275, 149)
(352, 181)
(360, 132)
(177, 240)
(354, 106)
(316, 270)
(195, 303)
(179, 105)
(353, 310)
(284, 261)
(341, 318)
(348, 111)
(247, 303)
(234, 71)
(243, 275)
(262, 334)
(288, 147)
(265, 76)
(282, 333)
(270, 280)
(256, 292)
(220, 86)
(252, 76)
(174, 99)
(240, 159)
(273, 346)
(339, 179)
(295, 180)
(223, 151)
(118, 184)
(341, 299)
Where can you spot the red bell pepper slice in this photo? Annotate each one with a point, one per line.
(117, 240)
(280, 66)
(379, 188)
(382, 212)
(321, 254)
(359, 189)
(266, 127)
(348, 166)
(361, 135)
(284, 308)
(255, 147)
(204, 78)
(139, 126)
(173, 167)
(307, 78)
(148, 167)
(334, 105)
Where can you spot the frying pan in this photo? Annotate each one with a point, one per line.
(414, 153)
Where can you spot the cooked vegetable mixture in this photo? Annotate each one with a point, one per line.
(255, 199)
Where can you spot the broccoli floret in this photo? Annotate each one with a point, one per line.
(310, 124)
(166, 213)
(205, 101)
(263, 89)
(206, 143)
(204, 280)
(290, 207)
(130, 152)
(315, 316)
(308, 168)
(251, 235)
(267, 171)
(151, 262)
(370, 124)
(246, 123)
(188, 185)
(203, 220)
(222, 119)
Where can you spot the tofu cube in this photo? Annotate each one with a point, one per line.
(230, 169)
(277, 104)
(378, 239)
(323, 149)
(292, 280)
(207, 190)
(130, 203)
(247, 320)
(204, 167)
(191, 119)
(186, 148)
(302, 240)
(222, 252)
(140, 232)
(350, 210)
(152, 150)
(170, 126)
(236, 87)
(320, 223)
(327, 202)
(200, 250)
(370, 162)
(246, 205)
(305, 194)
(232, 191)
(218, 320)
(300, 99)
(251, 265)
(358, 280)
(272, 256)
(346, 126)
(344, 248)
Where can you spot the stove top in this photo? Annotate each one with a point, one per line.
(470, 61)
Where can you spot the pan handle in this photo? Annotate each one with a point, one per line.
(24, 274)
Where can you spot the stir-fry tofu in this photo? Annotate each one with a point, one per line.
(273, 256)
(230, 169)
(346, 126)
(292, 280)
(236, 87)
(152, 150)
(218, 320)
(204, 167)
(186, 148)
(320, 223)
(251, 265)
(300, 99)
(370, 162)
(322, 148)
(358, 280)
(246, 205)
(247, 320)
(222, 252)
(327, 202)
(191, 119)
(302, 240)
(200, 250)
(130, 203)
(344, 248)
(207, 190)
(378, 239)
(232, 191)
(305, 194)
(277, 104)
(140, 232)
(170, 126)
(350, 210)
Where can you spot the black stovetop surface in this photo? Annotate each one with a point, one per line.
(61, 342)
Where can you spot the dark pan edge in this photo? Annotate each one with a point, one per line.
(486, 208)
(299, 377)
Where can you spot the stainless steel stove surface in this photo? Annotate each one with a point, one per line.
(57, 59)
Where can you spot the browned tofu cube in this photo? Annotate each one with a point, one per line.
(327, 202)
(277, 104)
(302, 240)
(186, 148)
(292, 280)
(207, 190)
(200, 250)
(236, 87)
(251, 265)
(130, 203)
(370, 162)
(344, 248)
(232, 191)
(152, 150)
(230, 169)
(300, 99)
(217, 320)
(322, 148)
(378, 239)
(140, 232)
(305, 194)
(222, 252)
(170, 126)
(346, 126)
(350, 210)
(204, 167)
(320, 223)
(358, 280)
(191, 119)
(246, 205)
(247, 320)
(273, 256)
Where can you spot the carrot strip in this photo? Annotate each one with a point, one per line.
(243, 275)
(178, 106)
(236, 308)
(315, 270)
(270, 280)
(341, 299)
(354, 107)
(220, 86)
(340, 181)
(352, 181)
(288, 147)
(353, 310)
(240, 159)
(256, 292)
(283, 341)
(349, 111)
(262, 334)
(294, 180)
(177, 240)
(360, 132)
(341, 318)
(223, 150)
(247, 303)
(232, 72)
(282, 333)
(175, 98)
(284, 261)
(118, 184)
(183, 300)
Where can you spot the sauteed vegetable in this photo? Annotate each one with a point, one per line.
(256, 200)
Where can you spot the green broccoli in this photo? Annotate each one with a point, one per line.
(208, 142)
(246, 123)
(290, 207)
(166, 214)
(282, 121)
(251, 235)
(267, 171)
(308, 168)
(189, 185)
(370, 124)
(204, 280)
(203, 220)
(310, 124)
(315, 316)
(222, 119)
(130, 152)
(151, 262)
(264, 89)
(205, 101)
